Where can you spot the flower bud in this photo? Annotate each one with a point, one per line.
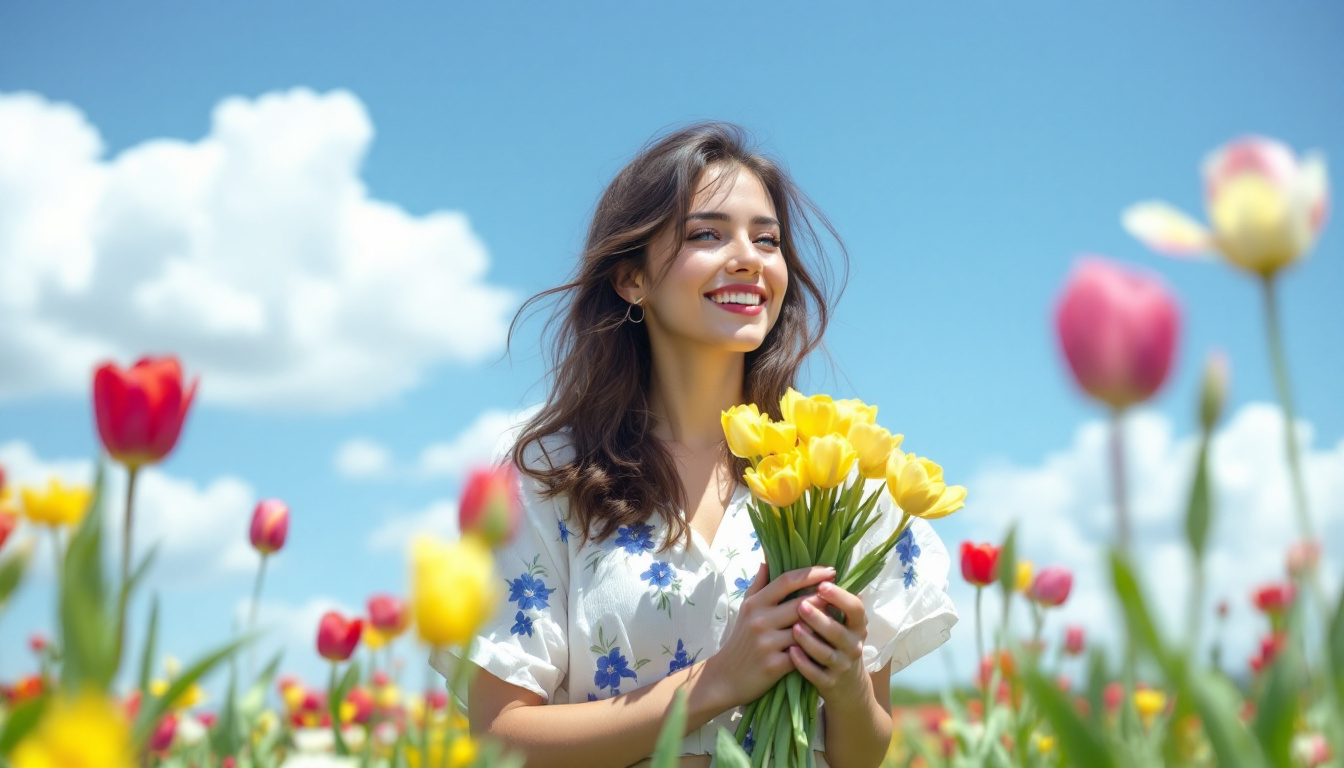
(337, 636)
(979, 563)
(490, 506)
(388, 615)
(1024, 574)
(140, 410)
(1303, 557)
(1074, 640)
(742, 428)
(779, 480)
(270, 526)
(1052, 585)
(829, 459)
(1213, 390)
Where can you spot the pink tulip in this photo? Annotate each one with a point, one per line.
(490, 506)
(1074, 640)
(162, 738)
(388, 615)
(337, 636)
(1303, 556)
(1052, 585)
(1118, 329)
(270, 526)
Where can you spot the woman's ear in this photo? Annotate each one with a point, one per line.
(629, 283)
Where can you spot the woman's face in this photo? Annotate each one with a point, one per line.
(727, 277)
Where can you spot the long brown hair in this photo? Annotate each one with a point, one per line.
(617, 473)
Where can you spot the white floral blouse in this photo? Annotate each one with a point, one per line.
(591, 622)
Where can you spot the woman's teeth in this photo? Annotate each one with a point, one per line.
(749, 299)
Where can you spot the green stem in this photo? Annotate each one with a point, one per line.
(1280, 364)
(124, 597)
(1118, 481)
(252, 616)
(334, 707)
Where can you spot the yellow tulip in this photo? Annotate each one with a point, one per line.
(814, 416)
(453, 588)
(189, 698)
(87, 731)
(874, 445)
(461, 751)
(1024, 574)
(1044, 744)
(1149, 702)
(387, 696)
(777, 436)
(59, 505)
(786, 403)
(851, 412)
(373, 638)
(916, 485)
(828, 460)
(742, 427)
(779, 480)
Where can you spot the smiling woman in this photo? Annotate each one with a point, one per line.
(635, 572)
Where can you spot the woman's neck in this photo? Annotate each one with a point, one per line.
(689, 391)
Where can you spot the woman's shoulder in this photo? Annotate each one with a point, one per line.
(548, 452)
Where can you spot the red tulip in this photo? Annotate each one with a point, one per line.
(162, 738)
(388, 615)
(1270, 645)
(1274, 599)
(8, 522)
(338, 636)
(38, 642)
(490, 506)
(1118, 331)
(270, 526)
(1112, 696)
(140, 411)
(979, 563)
(436, 699)
(363, 704)
(1074, 640)
(1052, 585)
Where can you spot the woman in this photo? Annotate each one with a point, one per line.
(636, 572)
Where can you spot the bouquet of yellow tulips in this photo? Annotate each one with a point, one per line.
(811, 506)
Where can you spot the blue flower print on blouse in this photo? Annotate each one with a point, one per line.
(611, 665)
(663, 578)
(908, 551)
(527, 590)
(522, 625)
(679, 658)
(743, 583)
(636, 538)
(750, 741)
(564, 532)
(756, 544)
(658, 575)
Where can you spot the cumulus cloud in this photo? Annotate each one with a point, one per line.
(1063, 509)
(200, 529)
(487, 439)
(395, 534)
(255, 252)
(362, 458)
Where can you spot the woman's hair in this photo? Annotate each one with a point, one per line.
(617, 474)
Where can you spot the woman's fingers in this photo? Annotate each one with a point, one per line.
(794, 580)
(758, 583)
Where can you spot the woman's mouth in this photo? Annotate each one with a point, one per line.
(738, 302)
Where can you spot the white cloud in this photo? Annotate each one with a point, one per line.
(362, 458)
(1063, 509)
(201, 530)
(292, 628)
(489, 438)
(255, 253)
(395, 534)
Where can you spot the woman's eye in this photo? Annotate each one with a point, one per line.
(770, 240)
(706, 234)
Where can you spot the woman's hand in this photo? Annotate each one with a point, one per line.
(756, 654)
(829, 654)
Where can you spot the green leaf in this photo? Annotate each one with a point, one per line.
(1335, 651)
(255, 699)
(20, 721)
(225, 736)
(153, 707)
(151, 647)
(1277, 708)
(1097, 678)
(87, 633)
(1080, 740)
(12, 569)
(668, 749)
(730, 753)
(1197, 511)
(1218, 704)
(1008, 563)
(1137, 617)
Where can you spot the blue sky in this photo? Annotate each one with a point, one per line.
(966, 155)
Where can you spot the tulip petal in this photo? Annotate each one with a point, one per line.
(1313, 192)
(1168, 230)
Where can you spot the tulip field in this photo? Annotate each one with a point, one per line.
(92, 700)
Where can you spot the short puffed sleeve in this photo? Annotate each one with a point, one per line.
(908, 609)
(525, 642)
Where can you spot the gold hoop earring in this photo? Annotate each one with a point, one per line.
(632, 305)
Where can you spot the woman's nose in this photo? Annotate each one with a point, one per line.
(743, 258)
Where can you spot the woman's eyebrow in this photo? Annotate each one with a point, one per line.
(717, 216)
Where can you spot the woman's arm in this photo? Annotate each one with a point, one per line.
(858, 732)
(614, 732)
(623, 730)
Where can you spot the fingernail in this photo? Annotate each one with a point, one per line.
(807, 607)
(829, 571)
